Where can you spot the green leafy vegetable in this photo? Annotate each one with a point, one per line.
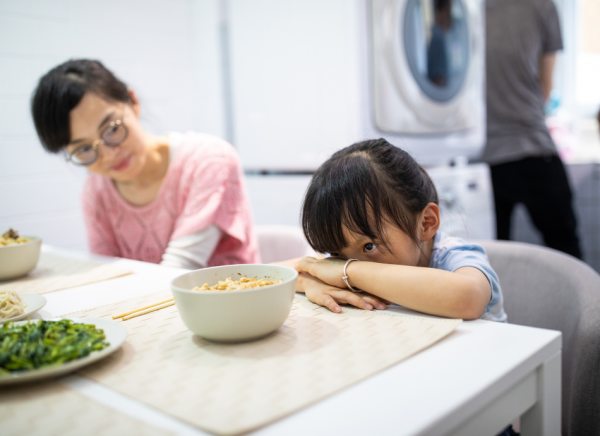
(35, 345)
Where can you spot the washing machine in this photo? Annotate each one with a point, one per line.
(427, 74)
(426, 95)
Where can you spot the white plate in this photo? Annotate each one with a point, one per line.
(33, 304)
(115, 335)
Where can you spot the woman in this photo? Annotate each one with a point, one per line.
(177, 199)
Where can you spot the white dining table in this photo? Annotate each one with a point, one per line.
(474, 382)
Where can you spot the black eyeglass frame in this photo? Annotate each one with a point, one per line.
(100, 140)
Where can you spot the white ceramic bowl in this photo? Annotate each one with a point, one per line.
(18, 259)
(235, 316)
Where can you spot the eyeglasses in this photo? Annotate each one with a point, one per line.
(112, 135)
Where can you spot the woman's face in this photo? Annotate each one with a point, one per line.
(90, 117)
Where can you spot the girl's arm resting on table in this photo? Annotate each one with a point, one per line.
(464, 293)
(192, 251)
(329, 296)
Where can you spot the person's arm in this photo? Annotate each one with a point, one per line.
(331, 296)
(464, 293)
(192, 251)
(547, 62)
(211, 193)
(551, 38)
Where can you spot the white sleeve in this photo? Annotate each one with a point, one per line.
(192, 251)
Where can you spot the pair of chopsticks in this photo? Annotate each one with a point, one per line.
(146, 309)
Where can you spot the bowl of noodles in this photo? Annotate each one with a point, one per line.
(18, 254)
(235, 303)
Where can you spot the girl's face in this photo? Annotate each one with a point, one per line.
(404, 250)
(90, 117)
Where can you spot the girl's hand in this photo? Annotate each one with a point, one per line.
(331, 297)
(329, 270)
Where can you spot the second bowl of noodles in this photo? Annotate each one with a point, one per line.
(18, 255)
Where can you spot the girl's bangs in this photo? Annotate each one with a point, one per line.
(353, 199)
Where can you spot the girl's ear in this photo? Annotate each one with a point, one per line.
(135, 103)
(429, 222)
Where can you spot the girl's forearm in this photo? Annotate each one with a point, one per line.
(291, 263)
(424, 289)
(300, 284)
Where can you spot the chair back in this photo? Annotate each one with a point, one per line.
(278, 242)
(548, 289)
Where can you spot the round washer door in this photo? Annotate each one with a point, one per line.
(429, 54)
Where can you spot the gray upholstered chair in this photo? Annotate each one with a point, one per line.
(548, 289)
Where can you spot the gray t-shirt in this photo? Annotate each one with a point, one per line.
(518, 34)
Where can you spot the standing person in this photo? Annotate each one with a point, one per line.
(522, 39)
(176, 199)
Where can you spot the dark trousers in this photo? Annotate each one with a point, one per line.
(509, 431)
(541, 184)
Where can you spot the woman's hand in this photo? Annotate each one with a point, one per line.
(329, 270)
(331, 296)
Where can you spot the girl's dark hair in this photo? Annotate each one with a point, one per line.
(362, 187)
(61, 89)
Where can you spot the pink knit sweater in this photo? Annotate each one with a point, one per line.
(203, 186)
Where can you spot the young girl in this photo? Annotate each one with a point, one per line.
(374, 212)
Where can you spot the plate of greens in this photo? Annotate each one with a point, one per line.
(36, 349)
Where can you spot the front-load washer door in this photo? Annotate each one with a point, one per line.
(427, 65)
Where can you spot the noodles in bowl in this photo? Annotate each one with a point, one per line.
(11, 304)
(229, 285)
(18, 254)
(11, 237)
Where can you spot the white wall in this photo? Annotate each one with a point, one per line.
(295, 80)
(295, 90)
(301, 85)
(166, 50)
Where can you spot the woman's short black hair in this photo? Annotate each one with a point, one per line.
(61, 89)
(362, 187)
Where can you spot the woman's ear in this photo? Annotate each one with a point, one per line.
(429, 222)
(135, 104)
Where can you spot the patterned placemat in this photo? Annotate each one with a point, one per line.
(54, 273)
(54, 409)
(233, 388)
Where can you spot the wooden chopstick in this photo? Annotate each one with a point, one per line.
(142, 308)
(125, 318)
